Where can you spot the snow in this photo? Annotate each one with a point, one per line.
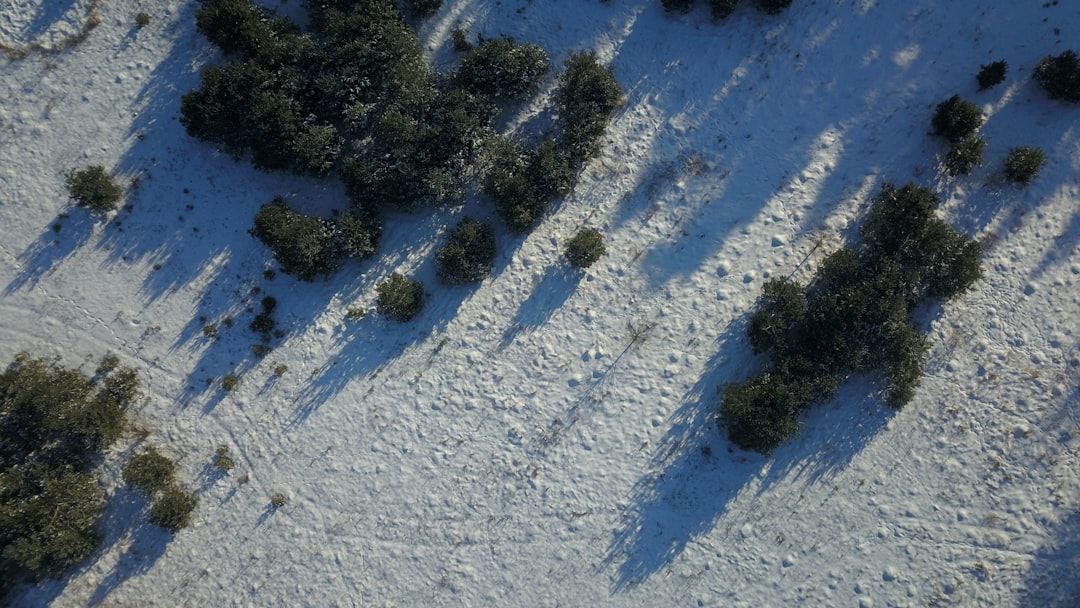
(546, 438)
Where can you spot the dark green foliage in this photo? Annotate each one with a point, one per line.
(586, 97)
(358, 235)
(468, 254)
(772, 7)
(501, 68)
(315, 148)
(399, 298)
(1060, 76)
(965, 155)
(422, 8)
(303, 245)
(241, 27)
(53, 424)
(956, 119)
(142, 19)
(523, 182)
(48, 519)
(584, 248)
(1023, 164)
(682, 6)
(853, 317)
(762, 413)
(93, 188)
(721, 9)
(460, 40)
(782, 305)
(172, 509)
(149, 472)
(991, 74)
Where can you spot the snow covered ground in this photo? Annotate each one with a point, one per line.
(546, 438)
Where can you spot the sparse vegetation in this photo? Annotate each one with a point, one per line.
(230, 382)
(1024, 163)
(142, 19)
(854, 317)
(278, 500)
(222, 460)
(584, 248)
(94, 189)
(399, 298)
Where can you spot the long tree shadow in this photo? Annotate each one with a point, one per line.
(57, 242)
(548, 295)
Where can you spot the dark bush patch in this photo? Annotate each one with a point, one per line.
(93, 188)
(965, 155)
(501, 68)
(584, 248)
(1060, 76)
(956, 119)
(1023, 164)
(991, 74)
(399, 298)
(772, 7)
(172, 509)
(149, 472)
(468, 254)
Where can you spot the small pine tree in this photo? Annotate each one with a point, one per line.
(93, 188)
(399, 298)
(991, 74)
(149, 472)
(955, 119)
(1023, 164)
(502, 68)
(722, 9)
(172, 509)
(468, 254)
(584, 248)
(965, 155)
(1060, 76)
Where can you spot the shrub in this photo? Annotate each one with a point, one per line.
(1060, 76)
(1023, 164)
(721, 9)
(357, 235)
(93, 188)
(423, 8)
(142, 19)
(459, 39)
(956, 119)
(587, 95)
(761, 413)
(772, 7)
(149, 472)
(502, 68)
(278, 500)
(399, 298)
(991, 74)
(965, 155)
(682, 6)
(172, 509)
(584, 248)
(303, 245)
(222, 460)
(468, 254)
(230, 382)
(782, 305)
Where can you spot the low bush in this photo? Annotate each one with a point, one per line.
(722, 9)
(93, 188)
(303, 245)
(468, 254)
(587, 95)
(222, 460)
(172, 509)
(965, 155)
(955, 119)
(149, 472)
(1059, 76)
(501, 68)
(772, 7)
(991, 74)
(584, 248)
(399, 298)
(1024, 163)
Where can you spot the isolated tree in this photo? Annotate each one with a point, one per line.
(469, 253)
(586, 97)
(93, 188)
(965, 155)
(1023, 164)
(955, 119)
(1060, 76)
(584, 248)
(399, 298)
(991, 74)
